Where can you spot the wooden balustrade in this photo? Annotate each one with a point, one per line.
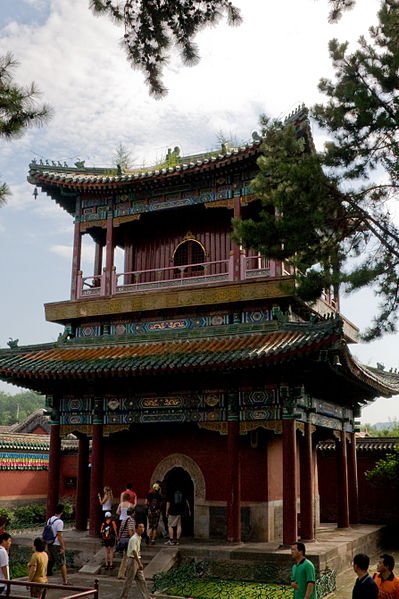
(186, 275)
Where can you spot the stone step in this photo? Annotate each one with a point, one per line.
(149, 553)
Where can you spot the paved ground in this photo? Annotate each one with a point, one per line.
(110, 587)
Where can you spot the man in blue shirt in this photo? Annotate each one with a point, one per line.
(303, 576)
(365, 587)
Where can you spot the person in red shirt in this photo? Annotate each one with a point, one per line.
(132, 495)
(385, 579)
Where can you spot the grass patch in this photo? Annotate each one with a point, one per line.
(229, 589)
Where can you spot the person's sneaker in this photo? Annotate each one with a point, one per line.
(176, 543)
(169, 542)
(152, 542)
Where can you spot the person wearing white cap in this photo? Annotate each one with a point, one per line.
(108, 536)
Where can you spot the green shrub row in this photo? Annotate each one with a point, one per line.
(26, 516)
(20, 556)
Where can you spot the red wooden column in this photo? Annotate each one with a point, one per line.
(54, 464)
(236, 253)
(83, 484)
(307, 485)
(290, 519)
(98, 261)
(342, 481)
(233, 472)
(96, 481)
(109, 258)
(353, 481)
(77, 250)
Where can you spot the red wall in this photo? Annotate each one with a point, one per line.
(375, 505)
(154, 249)
(133, 458)
(17, 484)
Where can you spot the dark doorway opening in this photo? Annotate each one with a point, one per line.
(178, 479)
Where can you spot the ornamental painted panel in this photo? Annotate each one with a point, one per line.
(188, 407)
(256, 316)
(74, 404)
(23, 461)
(260, 397)
(261, 414)
(329, 409)
(77, 419)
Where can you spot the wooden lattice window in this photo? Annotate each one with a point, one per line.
(189, 253)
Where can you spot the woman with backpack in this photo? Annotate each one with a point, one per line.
(108, 535)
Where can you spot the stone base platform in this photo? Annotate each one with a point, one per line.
(334, 548)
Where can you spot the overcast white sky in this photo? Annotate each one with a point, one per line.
(270, 64)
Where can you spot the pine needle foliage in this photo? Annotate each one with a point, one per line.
(362, 114)
(320, 209)
(18, 108)
(303, 218)
(153, 27)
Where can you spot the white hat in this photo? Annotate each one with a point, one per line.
(108, 514)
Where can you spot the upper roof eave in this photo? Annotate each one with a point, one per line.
(44, 175)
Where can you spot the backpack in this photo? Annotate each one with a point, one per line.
(48, 535)
(107, 532)
(178, 498)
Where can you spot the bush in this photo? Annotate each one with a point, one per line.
(6, 517)
(29, 515)
(385, 473)
(19, 557)
(69, 510)
(34, 515)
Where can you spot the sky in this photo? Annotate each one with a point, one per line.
(270, 64)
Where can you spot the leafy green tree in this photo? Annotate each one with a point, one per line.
(385, 473)
(357, 175)
(18, 108)
(389, 429)
(16, 408)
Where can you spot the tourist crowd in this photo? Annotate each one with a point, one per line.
(124, 529)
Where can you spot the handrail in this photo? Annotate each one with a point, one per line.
(84, 591)
(172, 269)
(93, 278)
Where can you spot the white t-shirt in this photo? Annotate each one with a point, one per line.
(57, 525)
(4, 561)
(107, 506)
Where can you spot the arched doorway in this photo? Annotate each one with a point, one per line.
(200, 509)
(178, 479)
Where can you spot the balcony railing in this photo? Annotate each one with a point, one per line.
(172, 276)
(186, 275)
